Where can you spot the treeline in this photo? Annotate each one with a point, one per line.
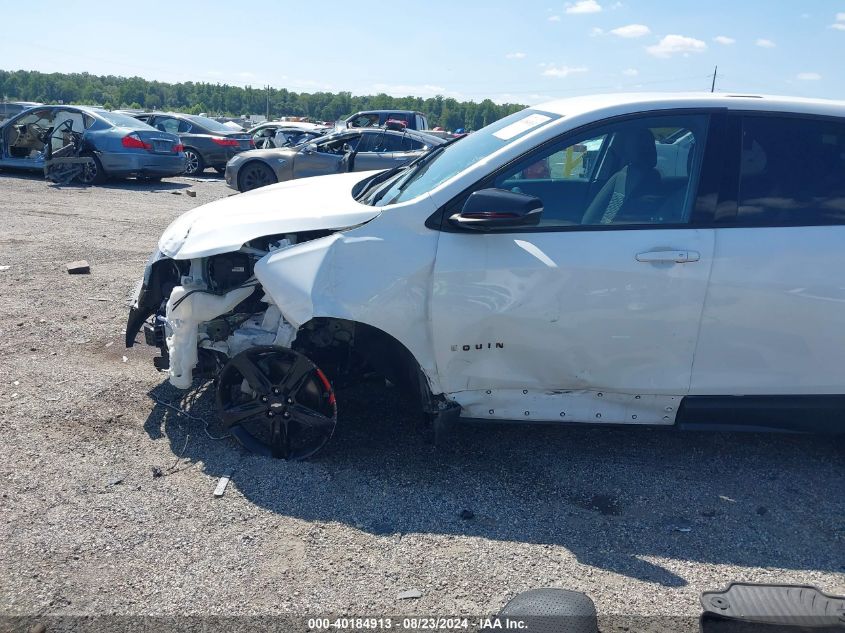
(222, 99)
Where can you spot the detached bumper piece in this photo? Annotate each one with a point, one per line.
(750, 608)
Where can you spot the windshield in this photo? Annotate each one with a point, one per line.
(123, 120)
(209, 124)
(453, 158)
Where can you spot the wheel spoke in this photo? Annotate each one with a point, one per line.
(240, 412)
(280, 442)
(297, 373)
(308, 418)
(252, 373)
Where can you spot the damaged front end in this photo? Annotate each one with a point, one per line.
(240, 292)
(203, 311)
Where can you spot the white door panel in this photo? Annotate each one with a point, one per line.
(569, 311)
(774, 317)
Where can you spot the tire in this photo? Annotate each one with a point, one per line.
(287, 408)
(95, 175)
(255, 174)
(194, 164)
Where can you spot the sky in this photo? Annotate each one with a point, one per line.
(525, 51)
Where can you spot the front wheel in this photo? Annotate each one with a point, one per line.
(254, 175)
(276, 402)
(194, 164)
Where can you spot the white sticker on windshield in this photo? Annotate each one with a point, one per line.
(523, 125)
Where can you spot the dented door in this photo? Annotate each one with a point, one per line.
(518, 317)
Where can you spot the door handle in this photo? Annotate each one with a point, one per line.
(668, 257)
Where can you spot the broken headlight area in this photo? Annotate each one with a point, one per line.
(201, 312)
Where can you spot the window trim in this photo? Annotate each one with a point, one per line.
(439, 219)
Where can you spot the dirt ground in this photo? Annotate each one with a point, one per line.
(642, 521)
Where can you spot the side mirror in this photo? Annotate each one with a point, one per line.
(498, 208)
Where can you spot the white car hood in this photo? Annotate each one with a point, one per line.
(309, 204)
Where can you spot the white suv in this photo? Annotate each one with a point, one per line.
(547, 268)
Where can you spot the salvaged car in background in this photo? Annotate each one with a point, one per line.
(492, 290)
(409, 119)
(273, 134)
(342, 151)
(207, 142)
(116, 144)
(8, 109)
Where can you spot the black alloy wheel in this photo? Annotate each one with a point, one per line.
(276, 402)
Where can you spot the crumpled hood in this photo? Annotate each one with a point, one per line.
(308, 204)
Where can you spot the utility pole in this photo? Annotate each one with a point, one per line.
(713, 85)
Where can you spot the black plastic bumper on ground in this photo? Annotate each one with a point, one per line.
(750, 608)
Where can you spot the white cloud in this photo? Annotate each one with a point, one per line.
(764, 43)
(596, 31)
(676, 44)
(563, 71)
(840, 17)
(583, 6)
(554, 18)
(724, 39)
(630, 72)
(808, 76)
(632, 30)
(515, 56)
(839, 26)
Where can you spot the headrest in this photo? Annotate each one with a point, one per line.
(636, 147)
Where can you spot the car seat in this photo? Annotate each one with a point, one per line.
(637, 177)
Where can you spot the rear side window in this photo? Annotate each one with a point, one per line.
(792, 171)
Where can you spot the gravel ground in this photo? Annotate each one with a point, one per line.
(642, 521)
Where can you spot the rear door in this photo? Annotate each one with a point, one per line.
(775, 309)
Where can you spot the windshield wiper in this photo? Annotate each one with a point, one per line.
(378, 179)
(413, 167)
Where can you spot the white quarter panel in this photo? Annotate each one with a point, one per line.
(547, 311)
(774, 317)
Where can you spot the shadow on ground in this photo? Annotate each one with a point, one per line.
(618, 499)
(134, 184)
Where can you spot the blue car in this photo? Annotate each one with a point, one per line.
(119, 145)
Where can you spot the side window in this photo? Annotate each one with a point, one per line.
(792, 171)
(167, 124)
(395, 116)
(614, 174)
(367, 142)
(411, 145)
(364, 120)
(184, 127)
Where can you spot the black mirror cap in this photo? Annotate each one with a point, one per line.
(494, 208)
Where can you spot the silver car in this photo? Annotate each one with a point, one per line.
(347, 150)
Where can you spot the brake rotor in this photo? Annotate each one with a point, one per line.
(276, 402)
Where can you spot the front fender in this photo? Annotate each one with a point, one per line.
(378, 274)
